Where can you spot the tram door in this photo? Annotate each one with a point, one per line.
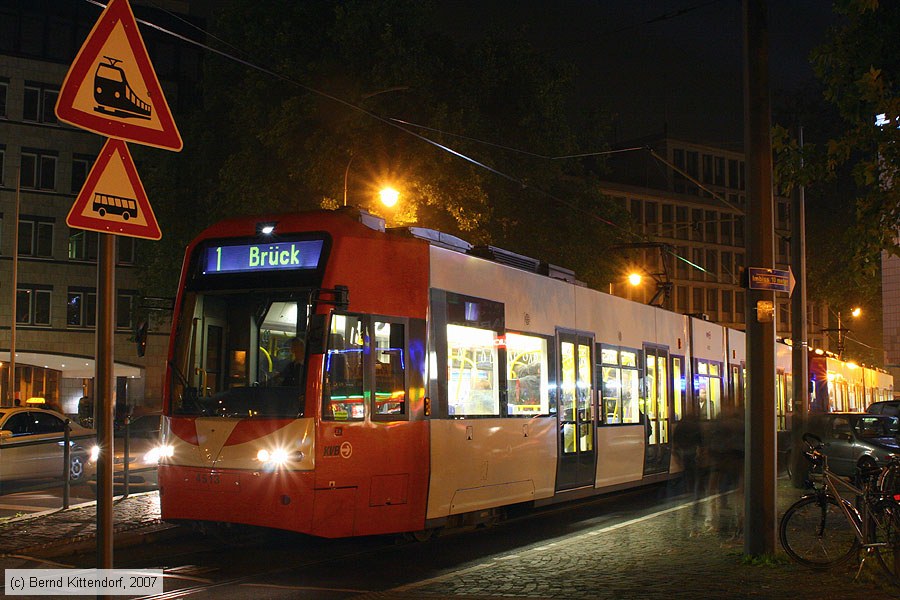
(577, 448)
(657, 410)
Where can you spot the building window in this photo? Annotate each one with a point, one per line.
(692, 167)
(33, 305)
(2, 162)
(668, 221)
(733, 175)
(682, 222)
(82, 245)
(712, 226)
(39, 103)
(697, 258)
(739, 231)
(727, 305)
(712, 267)
(720, 171)
(651, 216)
(698, 300)
(38, 170)
(124, 250)
(678, 180)
(637, 211)
(707, 168)
(682, 304)
(36, 237)
(81, 166)
(4, 90)
(681, 266)
(712, 301)
(125, 304)
(697, 224)
(725, 229)
(739, 307)
(727, 266)
(81, 308)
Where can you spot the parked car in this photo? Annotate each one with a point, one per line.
(854, 439)
(143, 452)
(885, 407)
(32, 445)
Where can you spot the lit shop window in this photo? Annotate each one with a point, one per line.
(621, 386)
(527, 375)
(472, 385)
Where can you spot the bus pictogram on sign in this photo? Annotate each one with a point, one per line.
(113, 199)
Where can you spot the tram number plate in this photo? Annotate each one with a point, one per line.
(214, 481)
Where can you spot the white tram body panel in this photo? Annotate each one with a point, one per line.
(485, 463)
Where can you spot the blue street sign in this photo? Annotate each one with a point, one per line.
(774, 280)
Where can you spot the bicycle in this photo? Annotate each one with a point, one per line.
(823, 529)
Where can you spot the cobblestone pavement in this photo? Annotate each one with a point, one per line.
(690, 552)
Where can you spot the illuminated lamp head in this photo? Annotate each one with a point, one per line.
(267, 228)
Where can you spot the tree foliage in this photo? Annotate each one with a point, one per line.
(349, 94)
(859, 66)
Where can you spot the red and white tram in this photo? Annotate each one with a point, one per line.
(442, 382)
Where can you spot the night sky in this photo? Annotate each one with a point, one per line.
(656, 63)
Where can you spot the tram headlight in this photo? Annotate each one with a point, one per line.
(277, 457)
(154, 455)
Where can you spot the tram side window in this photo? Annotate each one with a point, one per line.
(343, 394)
(473, 378)
(620, 386)
(528, 390)
(708, 388)
(390, 369)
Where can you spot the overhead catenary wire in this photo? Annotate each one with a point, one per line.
(405, 126)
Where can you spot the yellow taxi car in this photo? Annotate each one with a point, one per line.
(32, 446)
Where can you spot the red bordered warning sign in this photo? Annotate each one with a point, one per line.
(113, 198)
(112, 89)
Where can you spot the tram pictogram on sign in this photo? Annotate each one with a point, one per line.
(113, 199)
(111, 87)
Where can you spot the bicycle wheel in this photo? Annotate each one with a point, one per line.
(815, 533)
(887, 531)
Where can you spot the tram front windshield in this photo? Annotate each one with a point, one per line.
(240, 354)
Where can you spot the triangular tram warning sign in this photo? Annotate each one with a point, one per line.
(113, 198)
(112, 89)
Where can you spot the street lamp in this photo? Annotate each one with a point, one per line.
(389, 196)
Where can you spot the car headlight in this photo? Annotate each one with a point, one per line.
(95, 453)
(154, 455)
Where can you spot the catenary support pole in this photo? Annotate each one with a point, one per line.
(799, 332)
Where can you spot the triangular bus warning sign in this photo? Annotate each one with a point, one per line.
(113, 199)
(111, 87)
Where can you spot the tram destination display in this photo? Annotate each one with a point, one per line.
(276, 256)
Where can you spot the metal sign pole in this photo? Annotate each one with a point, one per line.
(104, 390)
(759, 448)
(11, 391)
